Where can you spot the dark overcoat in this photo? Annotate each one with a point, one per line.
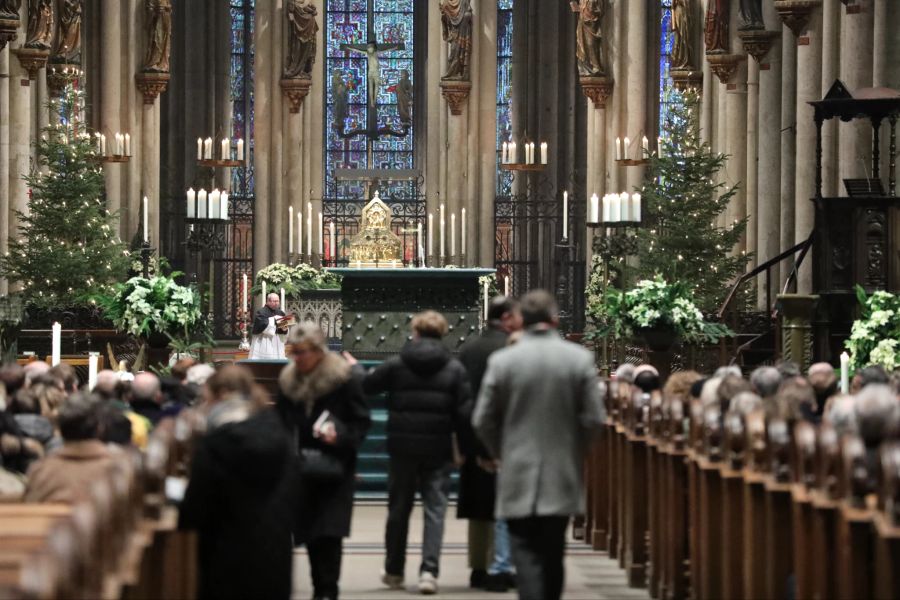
(325, 509)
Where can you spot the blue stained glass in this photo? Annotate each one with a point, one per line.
(394, 6)
(666, 40)
(504, 86)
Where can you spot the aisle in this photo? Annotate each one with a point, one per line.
(589, 575)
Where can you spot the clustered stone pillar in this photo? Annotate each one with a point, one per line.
(263, 90)
(788, 141)
(19, 129)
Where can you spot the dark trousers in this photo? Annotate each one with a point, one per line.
(538, 549)
(405, 476)
(325, 555)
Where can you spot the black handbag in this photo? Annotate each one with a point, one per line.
(320, 466)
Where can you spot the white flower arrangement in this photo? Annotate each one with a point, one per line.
(875, 336)
(294, 279)
(143, 307)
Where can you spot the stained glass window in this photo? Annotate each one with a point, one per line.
(666, 39)
(504, 87)
(347, 21)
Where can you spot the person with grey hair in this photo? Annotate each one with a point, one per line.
(199, 374)
(625, 373)
(67, 474)
(723, 372)
(744, 403)
(709, 395)
(840, 413)
(267, 325)
(877, 413)
(322, 405)
(146, 397)
(765, 381)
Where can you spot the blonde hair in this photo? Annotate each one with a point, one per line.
(431, 324)
(308, 333)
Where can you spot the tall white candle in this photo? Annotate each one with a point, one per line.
(645, 146)
(201, 204)
(453, 234)
(625, 206)
(199, 148)
(56, 344)
(659, 147)
(594, 212)
(240, 149)
(506, 287)
(290, 229)
(299, 233)
(321, 235)
(543, 153)
(511, 156)
(626, 147)
(617, 201)
(618, 148)
(102, 145)
(215, 198)
(845, 373)
(281, 298)
(226, 149)
(223, 213)
(504, 154)
(484, 292)
(430, 235)
(120, 144)
(191, 204)
(127, 144)
(565, 217)
(462, 232)
(420, 250)
(443, 231)
(309, 236)
(146, 236)
(264, 295)
(332, 238)
(207, 149)
(93, 367)
(635, 212)
(244, 293)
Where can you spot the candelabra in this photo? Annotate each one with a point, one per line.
(146, 256)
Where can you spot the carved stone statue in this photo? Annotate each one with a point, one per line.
(716, 30)
(751, 14)
(681, 35)
(340, 94)
(159, 35)
(67, 44)
(589, 36)
(302, 28)
(9, 9)
(40, 24)
(404, 92)
(456, 23)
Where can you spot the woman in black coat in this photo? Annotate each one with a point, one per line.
(239, 498)
(321, 403)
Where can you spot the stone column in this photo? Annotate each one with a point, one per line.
(263, 88)
(5, 230)
(19, 133)
(315, 141)
(110, 95)
(880, 55)
(636, 99)
(149, 172)
(768, 166)
(831, 42)
(278, 213)
(133, 121)
(809, 81)
(857, 30)
(720, 142)
(708, 107)
(788, 139)
(436, 110)
(751, 187)
(480, 216)
(615, 123)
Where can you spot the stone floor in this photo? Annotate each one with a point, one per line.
(589, 575)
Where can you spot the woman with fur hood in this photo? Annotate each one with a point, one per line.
(323, 407)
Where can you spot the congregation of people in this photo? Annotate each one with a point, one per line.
(515, 413)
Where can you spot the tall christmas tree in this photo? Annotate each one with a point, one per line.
(682, 240)
(68, 248)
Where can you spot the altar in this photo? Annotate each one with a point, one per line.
(379, 304)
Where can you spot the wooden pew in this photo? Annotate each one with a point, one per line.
(855, 525)
(733, 511)
(635, 500)
(779, 543)
(710, 508)
(804, 479)
(887, 525)
(825, 498)
(754, 478)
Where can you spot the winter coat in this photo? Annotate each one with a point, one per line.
(429, 400)
(66, 475)
(477, 487)
(324, 509)
(239, 499)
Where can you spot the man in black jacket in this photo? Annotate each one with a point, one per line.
(429, 400)
(477, 476)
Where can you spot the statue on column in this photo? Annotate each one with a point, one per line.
(67, 45)
(302, 28)
(751, 14)
(404, 93)
(340, 94)
(9, 9)
(716, 31)
(456, 24)
(40, 24)
(589, 36)
(159, 36)
(681, 35)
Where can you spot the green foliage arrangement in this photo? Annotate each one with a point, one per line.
(653, 304)
(294, 279)
(67, 248)
(875, 336)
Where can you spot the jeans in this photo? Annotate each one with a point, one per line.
(405, 476)
(502, 559)
(325, 555)
(538, 549)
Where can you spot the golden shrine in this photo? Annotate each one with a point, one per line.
(376, 246)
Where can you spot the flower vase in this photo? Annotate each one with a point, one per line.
(157, 350)
(658, 339)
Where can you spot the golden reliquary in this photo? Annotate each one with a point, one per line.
(376, 246)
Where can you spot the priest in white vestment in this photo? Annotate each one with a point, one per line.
(267, 343)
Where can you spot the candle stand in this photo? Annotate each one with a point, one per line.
(565, 252)
(146, 256)
(207, 236)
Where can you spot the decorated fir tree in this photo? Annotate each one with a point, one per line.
(68, 248)
(681, 240)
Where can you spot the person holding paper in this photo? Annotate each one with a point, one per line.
(269, 321)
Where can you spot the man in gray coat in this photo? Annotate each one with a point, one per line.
(537, 410)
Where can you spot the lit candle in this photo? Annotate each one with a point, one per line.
(565, 219)
(93, 364)
(627, 147)
(215, 198)
(506, 287)
(191, 204)
(527, 153)
(453, 234)
(618, 149)
(443, 231)
(290, 229)
(281, 298)
(333, 239)
(845, 373)
(462, 233)
(224, 206)
(543, 153)
(244, 293)
(321, 235)
(625, 206)
(56, 344)
(504, 154)
(127, 144)
(645, 146)
(420, 249)
(207, 149)
(607, 208)
(511, 157)
(484, 292)
(226, 149)
(240, 149)
(636, 207)
(595, 209)
(430, 235)
(146, 237)
(299, 233)
(199, 148)
(309, 236)
(201, 204)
